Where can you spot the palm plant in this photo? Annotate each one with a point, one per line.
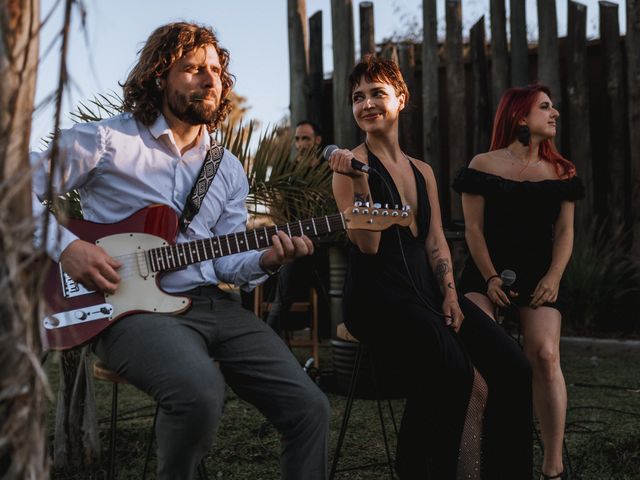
(601, 278)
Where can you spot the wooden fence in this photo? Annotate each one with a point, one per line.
(455, 87)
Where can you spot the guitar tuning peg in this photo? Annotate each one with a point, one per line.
(377, 205)
(366, 204)
(357, 204)
(396, 206)
(386, 205)
(406, 208)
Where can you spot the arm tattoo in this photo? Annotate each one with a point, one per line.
(435, 252)
(360, 197)
(442, 268)
(451, 286)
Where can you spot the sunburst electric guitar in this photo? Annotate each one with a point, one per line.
(145, 245)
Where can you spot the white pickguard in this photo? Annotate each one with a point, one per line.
(138, 289)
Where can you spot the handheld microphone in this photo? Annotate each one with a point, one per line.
(355, 164)
(508, 278)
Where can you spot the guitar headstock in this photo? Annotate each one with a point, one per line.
(376, 218)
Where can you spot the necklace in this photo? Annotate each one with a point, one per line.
(520, 161)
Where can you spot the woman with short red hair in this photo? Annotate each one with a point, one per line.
(518, 201)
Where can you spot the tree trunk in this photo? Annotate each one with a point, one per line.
(23, 384)
(519, 44)
(316, 71)
(548, 57)
(430, 92)
(344, 126)
(297, 26)
(481, 105)
(615, 178)
(367, 37)
(578, 96)
(456, 95)
(633, 82)
(499, 55)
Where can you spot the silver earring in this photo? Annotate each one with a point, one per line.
(158, 82)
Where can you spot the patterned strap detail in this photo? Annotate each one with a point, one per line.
(203, 182)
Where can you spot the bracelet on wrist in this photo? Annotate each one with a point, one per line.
(491, 278)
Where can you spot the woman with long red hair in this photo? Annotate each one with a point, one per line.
(518, 201)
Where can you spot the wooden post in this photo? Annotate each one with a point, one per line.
(548, 57)
(23, 427)
(499, 55)
(389, 51)
(316, 70)
(344, 126)
(430, 93)
(481, 104)
(616, 181)
(519, 44)
(367, 37)
(633, 100)
(409, 121)
(298, 83)
(456, 98)
(579, 150)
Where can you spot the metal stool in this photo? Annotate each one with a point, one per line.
(101, 372)
(348, 339)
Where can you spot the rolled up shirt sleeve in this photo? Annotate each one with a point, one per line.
(242, 269)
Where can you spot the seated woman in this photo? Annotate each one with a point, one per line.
(518, 202)
(468, 414)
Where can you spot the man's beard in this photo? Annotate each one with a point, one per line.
(191, 110)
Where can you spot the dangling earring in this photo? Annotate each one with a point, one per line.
(158, 83)
(523, 134)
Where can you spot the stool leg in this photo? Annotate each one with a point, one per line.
(347, 411)
(114, 427)
(150, 444)
(381, 415)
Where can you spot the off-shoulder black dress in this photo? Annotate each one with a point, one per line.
(519, 217)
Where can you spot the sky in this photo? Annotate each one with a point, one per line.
(254, 31)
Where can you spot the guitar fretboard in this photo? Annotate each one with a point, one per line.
(182, 254)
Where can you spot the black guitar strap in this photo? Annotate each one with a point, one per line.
(201, 186)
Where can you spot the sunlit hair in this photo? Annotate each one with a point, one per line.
(374, 69)
(515, 104)
(165, 46)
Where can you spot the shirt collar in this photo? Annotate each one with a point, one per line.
(160, 128)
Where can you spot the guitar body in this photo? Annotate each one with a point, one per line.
(145, 245)
(76, 315)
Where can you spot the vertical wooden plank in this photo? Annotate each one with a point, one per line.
(616, 182)
(519, 44)
(499, 55)
(481, 95)
(548, 56)
(408, 130)
(298, 83)
(367, 37)
(430, 93)
(389, 51)
(457, 137)
(344, 127)
(579, 151)
(316, 70)
(633, 101)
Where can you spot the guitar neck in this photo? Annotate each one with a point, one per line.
(180, 255)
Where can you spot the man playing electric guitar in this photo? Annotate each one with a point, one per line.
(152, 154)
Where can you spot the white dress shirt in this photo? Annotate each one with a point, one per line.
(120, 166)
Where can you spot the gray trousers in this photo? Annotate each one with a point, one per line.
(171, 358)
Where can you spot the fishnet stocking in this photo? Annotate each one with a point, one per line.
(470, 453)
